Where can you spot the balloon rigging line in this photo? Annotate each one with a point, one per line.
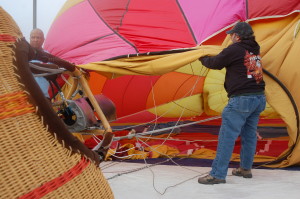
(134, 170)
(105, 165)
(191, 91)
(98, 140)
(297, 29)
(127, 156)
(151, 121)
(124, 157)
(127, 116)
(167, 128)
(179, 140)
(153, 174)
(63, 77)
(171, 158)
(133, 148)
(154, 149)
(172, 129)
(165, 138)
(154, 101)
(165, 190)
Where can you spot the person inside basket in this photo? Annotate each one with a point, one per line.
(36, 41)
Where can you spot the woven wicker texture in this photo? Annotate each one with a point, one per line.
(33, 163)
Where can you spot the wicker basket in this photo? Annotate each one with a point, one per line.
(39, 157)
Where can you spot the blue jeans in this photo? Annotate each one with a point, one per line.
(239, 118)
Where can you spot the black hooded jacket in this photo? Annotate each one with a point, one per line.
(243, 67)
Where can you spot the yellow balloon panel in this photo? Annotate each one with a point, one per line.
(216, 96)
(186, 107)
(215, 81)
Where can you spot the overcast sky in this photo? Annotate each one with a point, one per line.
(22, 13)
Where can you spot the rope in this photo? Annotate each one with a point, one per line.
(153, 179)
(135, 170)
(154, 138)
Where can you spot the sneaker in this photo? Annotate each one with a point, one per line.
(246, 173)
(210, 180)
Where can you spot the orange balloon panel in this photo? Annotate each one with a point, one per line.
(173, 86)
(96, 82)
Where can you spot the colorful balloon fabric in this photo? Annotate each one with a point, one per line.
(143, 55)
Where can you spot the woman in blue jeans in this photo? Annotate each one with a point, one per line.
(245, 87)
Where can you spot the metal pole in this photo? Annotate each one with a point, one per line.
(34, 14)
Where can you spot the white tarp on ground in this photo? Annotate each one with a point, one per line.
(141, 184)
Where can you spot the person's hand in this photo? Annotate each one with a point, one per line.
(203, 58)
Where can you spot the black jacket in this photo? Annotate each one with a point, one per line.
(243, 67)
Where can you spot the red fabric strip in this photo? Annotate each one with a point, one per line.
(7, 38)
(57, 182)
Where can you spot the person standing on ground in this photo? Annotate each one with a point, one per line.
(245, 87)
(36, 41)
